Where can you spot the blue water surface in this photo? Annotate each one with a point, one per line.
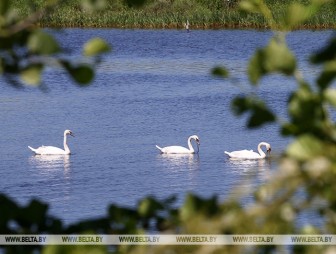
(155, 87)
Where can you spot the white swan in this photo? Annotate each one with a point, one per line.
(249, 154)
(181, 149)
(48, 150)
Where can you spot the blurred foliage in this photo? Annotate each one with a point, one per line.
(26, 50)
(303, 184)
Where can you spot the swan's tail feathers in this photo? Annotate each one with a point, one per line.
(227, 153)
(159, 148)
(34, 150)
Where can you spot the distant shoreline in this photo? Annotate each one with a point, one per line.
(171, 14)
(208, 27)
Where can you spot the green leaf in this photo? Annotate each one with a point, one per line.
(9, 210)
(135, 3)
(240, 105)
(279, 58)
(42, 43)
(328, 53)
(296, 14)
(82, 74)
(253, 6)
(256, 67)
(148, 207)
(119, 214)
(220, 72)
(303, 104)
(305, 147)
(32, 75)
(259, 113)
(93, 5)
(35, 212)
(4, 6)
(275, 57)
(330, 96)
(328, 75)
(95, 46)
(195, 205)
(2, 65)
(260, 116)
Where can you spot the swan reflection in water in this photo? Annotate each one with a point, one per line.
(251, 167)
(181, 170)
(51, 162)
(252, 172)
(54, 172)
(179, 160)
(260, 164)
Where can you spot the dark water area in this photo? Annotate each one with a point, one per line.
(154, 88)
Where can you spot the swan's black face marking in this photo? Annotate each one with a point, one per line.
(71, 134)
(269, 150)
(197, 141)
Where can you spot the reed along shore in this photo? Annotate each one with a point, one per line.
(161, 14)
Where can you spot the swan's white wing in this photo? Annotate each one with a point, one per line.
(238, 153)
(244, 154)
(175, 150)
(49, 150)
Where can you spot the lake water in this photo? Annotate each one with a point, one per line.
(154, 88)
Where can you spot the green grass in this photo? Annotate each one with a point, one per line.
(202, 14)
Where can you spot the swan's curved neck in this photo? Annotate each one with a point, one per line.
(190, 145)
(66, 148)
(261, 152)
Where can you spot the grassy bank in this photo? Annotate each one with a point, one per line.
(201, 14)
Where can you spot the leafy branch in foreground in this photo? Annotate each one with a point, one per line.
(26, 50)
(303, 185)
